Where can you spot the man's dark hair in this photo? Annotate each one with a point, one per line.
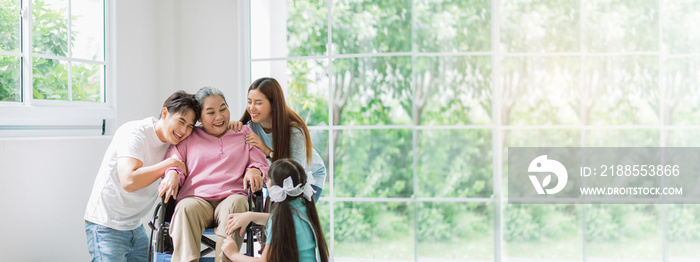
(180, 102)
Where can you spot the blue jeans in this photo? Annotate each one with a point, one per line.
(107, 244)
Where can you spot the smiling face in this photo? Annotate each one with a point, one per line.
(215, 115)
(259, 108)
(176, 126)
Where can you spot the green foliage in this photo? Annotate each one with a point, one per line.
(620, 222)
(620, 26)
(9, 28)
(455, 163)
(451, 221)
(452, 25)
(681, 31)
(10, 76)
(540, 26)
(307, 33)
(364, 26)
(683, 223)
(312, 107)
(358, 221)
(374, 163)
(50, 33)
(377, 90)
(539, 222)
(452, 90)
(50, 79)
(50, 76)
(87, 82)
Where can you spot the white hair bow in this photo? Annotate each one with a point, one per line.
(279, 194)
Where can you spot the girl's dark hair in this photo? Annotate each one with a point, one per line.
(180, 102)
(283, 119)
(283, 245)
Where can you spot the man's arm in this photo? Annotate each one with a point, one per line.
(134, 176)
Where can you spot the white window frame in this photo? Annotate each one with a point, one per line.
(498, 202)
(33, 117)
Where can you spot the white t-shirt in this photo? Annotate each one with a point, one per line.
(112, 206)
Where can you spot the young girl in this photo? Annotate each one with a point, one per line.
(279, 132)
(293, 230)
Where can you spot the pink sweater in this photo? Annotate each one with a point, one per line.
(216, 166)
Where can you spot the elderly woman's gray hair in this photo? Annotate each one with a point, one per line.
(208, 91)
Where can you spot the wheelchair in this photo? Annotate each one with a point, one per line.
(161, 248)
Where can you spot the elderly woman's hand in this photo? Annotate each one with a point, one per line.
(254, 176)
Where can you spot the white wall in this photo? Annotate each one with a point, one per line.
(200, 46)
(45, 187)
(161, 46)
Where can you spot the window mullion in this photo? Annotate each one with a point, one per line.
(70, 52)
(27, 85)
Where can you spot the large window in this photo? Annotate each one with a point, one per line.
(53, 57)
(414, 103)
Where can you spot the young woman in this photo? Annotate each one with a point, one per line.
(124, 190)
(279, 131)
(293, 230)
(219, 164)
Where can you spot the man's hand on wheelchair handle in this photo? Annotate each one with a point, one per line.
(254, 176)
(169, 185)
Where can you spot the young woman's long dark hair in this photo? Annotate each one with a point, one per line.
(283, 119)
(283, 245)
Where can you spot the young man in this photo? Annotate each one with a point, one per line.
(124, 190)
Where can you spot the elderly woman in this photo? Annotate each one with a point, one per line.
(220, 164)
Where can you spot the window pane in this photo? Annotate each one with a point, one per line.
(10, 78)
(622, 137)
(373, 230)
(683, 232)
(324, 216)
(50, 34)
(681, 82)
(319, 138)
(540, 91)
(88, 82)
(372, 91)
(452, 90)
(621, 90)
(455, 163)
(542, 232)
(305, 86)
(50, 79)
(452, 26)
(364, 26)
(540, 26)
(535, 138)
(620, 26)
(307, 27)
(87, 17)
(630, 232)
(681, 31)
(455, 231)
(373, 163)
(683, 138)
(297, 28)
(10, 26)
